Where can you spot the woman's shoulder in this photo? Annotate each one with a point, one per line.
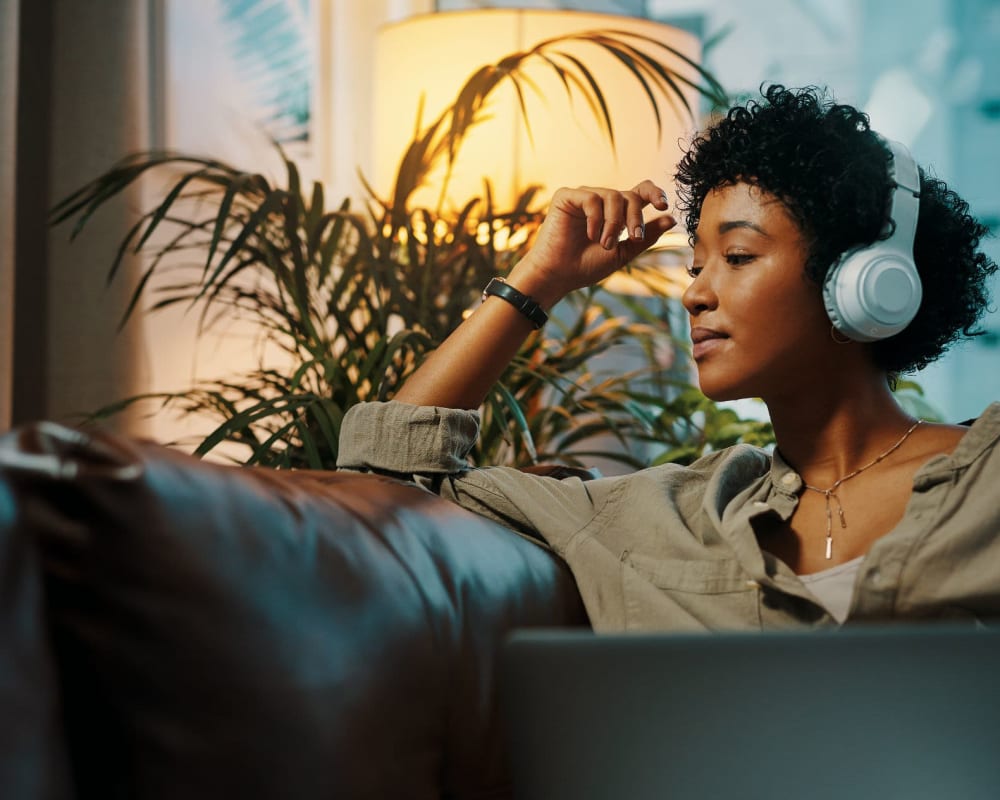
(950, 446)
(736, 458)
(980, 436)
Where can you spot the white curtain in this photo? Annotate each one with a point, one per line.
(348, 61)
(99, 113)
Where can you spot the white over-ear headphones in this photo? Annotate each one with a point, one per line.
(874, 292)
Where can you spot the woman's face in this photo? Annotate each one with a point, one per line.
(758, 325)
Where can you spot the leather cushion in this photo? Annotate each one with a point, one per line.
(228, 632)
(33, 759)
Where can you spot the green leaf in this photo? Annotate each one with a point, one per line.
(511, 404)
(356, 301)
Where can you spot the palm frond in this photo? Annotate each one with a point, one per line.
(657, 67)
(357, 299)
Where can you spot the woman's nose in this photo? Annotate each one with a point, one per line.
(699, 296)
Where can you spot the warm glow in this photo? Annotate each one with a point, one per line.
(432, 55)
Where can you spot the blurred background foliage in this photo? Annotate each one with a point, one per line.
(354, 299)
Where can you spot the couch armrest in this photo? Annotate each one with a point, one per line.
(33, 757)
(224, 631)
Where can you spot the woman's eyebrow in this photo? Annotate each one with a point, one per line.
(725, 227)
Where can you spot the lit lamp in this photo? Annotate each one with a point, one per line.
(428, 58)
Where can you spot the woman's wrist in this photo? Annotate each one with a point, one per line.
(531, 310)
(536, 283)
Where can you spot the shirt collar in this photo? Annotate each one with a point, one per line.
(786, 480)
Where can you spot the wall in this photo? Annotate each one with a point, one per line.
(9, 18)
(30, 135)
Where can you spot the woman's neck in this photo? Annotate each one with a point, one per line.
(827, 434)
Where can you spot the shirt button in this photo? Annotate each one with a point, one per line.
(789, 479)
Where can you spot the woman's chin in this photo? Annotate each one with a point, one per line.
(719, 391)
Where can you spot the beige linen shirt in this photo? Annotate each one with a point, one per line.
(674, 548)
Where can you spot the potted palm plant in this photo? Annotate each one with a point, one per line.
(356, 298)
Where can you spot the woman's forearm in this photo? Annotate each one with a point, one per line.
(462, 370)
(578, 244)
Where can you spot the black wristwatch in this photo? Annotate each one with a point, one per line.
(498, 287)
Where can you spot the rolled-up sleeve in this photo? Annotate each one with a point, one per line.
(407, 439)
(430, 445)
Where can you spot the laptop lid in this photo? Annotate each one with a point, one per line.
(857, 713)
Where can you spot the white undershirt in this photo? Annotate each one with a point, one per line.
(833, 587)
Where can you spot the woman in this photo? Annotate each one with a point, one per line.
(862, 512)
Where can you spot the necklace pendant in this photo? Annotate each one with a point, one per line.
(831, 493)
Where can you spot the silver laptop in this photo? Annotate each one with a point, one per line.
(866, 713)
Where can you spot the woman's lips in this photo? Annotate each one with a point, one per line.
(704, 341)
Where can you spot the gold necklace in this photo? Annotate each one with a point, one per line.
(832, 491)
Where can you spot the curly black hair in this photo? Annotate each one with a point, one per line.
(831, 171)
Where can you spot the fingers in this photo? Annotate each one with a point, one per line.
(613, 215)
(654, 229)
(652, 195)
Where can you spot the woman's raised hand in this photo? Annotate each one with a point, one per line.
(577, 245)
(579, 242)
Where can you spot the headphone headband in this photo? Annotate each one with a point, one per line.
(904, 206)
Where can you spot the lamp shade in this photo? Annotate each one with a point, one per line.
(426, 60)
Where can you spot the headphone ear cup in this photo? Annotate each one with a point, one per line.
(833, 310)
(872, 293)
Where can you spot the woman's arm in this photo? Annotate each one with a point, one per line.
(576, 246)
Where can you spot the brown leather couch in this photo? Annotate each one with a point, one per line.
(173, 628)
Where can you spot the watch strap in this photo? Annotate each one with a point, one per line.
(498, 287)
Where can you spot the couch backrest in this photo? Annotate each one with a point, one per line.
(239, 632)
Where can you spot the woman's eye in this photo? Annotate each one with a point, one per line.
(693, 271)
(738, 259)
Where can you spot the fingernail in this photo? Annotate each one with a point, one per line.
(663, 199)
(609, 242)
(640, 231)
